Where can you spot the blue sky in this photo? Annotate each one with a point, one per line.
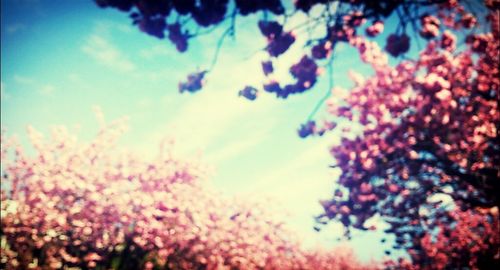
(61, 59)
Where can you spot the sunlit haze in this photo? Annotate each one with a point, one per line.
(62, 60)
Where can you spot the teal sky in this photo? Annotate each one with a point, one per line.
(61, 59)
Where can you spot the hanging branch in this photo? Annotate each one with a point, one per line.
(331, 17)
(229, 31)
(328, 92)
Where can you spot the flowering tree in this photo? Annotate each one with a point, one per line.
(82, 206)
(426, 160)
(428, 145)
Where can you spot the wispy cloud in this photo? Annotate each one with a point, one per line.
(286, 174)
(44, 89)
(104, 52)
(298, 184)
(203, 118)
(237, 147)
(105, 27)
(216, 109)
(157, 50)
(23, 80)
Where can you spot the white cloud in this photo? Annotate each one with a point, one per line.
(211, 113)
(298, 184)
(107, 54)
(44, 89)
(157, 50)
(203, 118)
(287, 176)
(239, 146)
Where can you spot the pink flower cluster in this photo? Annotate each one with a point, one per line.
(427, 127)
(369, 51)
(459, 246)
(430, 26)
(464, 242)
(81, 206)
(375, 29)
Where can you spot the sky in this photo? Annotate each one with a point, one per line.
(62, 59)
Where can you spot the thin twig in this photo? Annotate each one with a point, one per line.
(413, 24)
(328, 92)
(336, 10)
(219, 45)
(229, 31)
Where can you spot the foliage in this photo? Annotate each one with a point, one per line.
(336, 22)
(427, 158)
(429, 139)
(81, 206)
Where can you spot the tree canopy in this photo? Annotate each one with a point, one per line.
(74, 205)
(427, 159)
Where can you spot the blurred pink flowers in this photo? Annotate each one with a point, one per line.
(80, 205)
